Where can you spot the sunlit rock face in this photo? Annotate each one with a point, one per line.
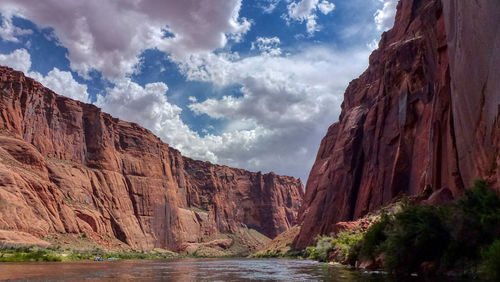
(67, 167)
(423, 116)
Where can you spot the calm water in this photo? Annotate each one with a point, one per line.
(186, 270)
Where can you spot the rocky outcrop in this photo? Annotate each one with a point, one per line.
(67, 167)
(423, 117)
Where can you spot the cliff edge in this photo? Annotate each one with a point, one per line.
(67, 167)
(422, 119)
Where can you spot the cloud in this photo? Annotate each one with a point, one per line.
(278, 122)
(10, 32)
(146, 105)
(19, 59)
(271, 5)
(305, 10)
(326, 7)
(287, 104)
(149, 107)
(61, 82)
(384, 18)
(267, 45)
(110, 35)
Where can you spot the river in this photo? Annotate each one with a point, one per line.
(187, 270)
(184, 270)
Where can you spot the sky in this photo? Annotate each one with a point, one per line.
(252, 84)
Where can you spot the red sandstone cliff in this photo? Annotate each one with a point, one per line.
(67, 167)
(423, 116)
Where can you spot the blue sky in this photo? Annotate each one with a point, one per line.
(251, 84)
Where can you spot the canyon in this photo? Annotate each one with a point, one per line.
(422, 120)
(67, 168)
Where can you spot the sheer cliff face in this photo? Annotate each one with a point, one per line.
(423, 116)
(67, 167)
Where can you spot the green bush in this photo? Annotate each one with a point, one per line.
(481, 211)
(33, 254)
(292, 253)
(491, 260)
(451, 236)
(323, 247)
(417, 234)
(474, 222)
(374, 237)
(269, 254)
(345, 245)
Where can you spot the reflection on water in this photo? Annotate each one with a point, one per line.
(185, 270)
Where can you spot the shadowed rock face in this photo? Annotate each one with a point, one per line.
(423, 116)
(65, 166)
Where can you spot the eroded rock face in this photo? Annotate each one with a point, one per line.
(424, 116)
(67, 167)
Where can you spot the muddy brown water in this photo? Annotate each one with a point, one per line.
(186, 270)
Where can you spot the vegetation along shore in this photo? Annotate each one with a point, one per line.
(461, 238)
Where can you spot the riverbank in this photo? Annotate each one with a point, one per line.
(415, 237)
(34, 253)
(16, 246)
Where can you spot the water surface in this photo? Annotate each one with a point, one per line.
(185, 270)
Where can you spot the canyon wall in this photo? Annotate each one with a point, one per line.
(67, 167)
(422, 119)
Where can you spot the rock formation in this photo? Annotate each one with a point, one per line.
(423, 117)
(67, 167)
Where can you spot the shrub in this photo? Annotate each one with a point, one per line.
(370, 245)
(450, 236)
(345, 245)
(323, 247)
(481, 209)
(34, 254)
(491, 260)
(474, 222)
(417, 234)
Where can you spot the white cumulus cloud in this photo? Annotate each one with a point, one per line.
(384, 18)
(287, 104)
(19, 60)
(277, 124)
(61, 82)
(271, 5)
(306, 10)
(287, 101)
(110, 35)
(149, 107)
(326, 7)
(10, 32)
(267, 45)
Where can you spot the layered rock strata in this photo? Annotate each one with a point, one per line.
(67, 167)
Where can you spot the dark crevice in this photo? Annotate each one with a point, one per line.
(357, 165)
(133, 200)
(117, 230)
(357, 182)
